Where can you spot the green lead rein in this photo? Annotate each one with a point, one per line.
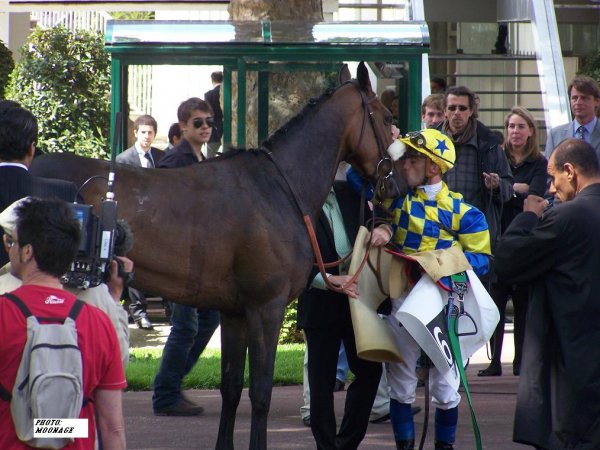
(459, 287)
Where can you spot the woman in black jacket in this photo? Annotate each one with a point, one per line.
(528, 166)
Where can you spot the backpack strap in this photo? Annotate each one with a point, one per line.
(19, 303)
(75, 309)
(4, 393)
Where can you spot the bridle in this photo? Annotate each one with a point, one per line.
(385, 166)
(382, 175)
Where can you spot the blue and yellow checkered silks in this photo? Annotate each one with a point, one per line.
(417, 226)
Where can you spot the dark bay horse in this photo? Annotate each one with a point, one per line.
(228, 234)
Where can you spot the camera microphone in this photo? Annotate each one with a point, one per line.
(123, 238)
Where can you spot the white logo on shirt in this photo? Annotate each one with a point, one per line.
(54, 300)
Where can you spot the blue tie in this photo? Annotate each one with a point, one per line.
(580, 133)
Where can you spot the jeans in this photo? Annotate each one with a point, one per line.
(342, 365)
(191, 331)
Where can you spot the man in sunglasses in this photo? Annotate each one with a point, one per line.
(481, 172)
(191, 328)
(196, 121)
(430, 217)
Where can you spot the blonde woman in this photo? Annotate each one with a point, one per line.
(528, 166)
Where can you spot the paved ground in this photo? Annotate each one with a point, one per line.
(494, 401)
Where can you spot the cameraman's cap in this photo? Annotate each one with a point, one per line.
(8, 217)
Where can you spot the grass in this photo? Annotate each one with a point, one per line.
(206, 374)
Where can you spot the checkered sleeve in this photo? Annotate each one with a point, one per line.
(474, 237)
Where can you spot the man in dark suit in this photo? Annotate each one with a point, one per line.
(213, 98)
(557, 254)
(141, 154)
(324, 315)
(18, 136)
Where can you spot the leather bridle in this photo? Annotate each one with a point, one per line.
(382, 174)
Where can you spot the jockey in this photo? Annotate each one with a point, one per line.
(430, 217)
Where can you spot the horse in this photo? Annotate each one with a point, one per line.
(229, 233)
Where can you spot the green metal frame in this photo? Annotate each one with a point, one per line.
(265, 57)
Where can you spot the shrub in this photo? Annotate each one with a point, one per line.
(591, 67)
(6, 67)
(290, 334)
(63, 78)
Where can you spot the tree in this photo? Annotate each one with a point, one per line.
(288, 91)
(63, 78)
(591, 67)
(6, 67)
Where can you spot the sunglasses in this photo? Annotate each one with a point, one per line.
(199, 122)
(462, 108)
(9, 241)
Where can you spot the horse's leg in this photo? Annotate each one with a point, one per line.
(264, 325)
(233, 358)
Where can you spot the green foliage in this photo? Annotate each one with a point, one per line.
(133, 15)
(290, 334)
(206, 374)
(6, 67)
(63, 78)
(591, 66)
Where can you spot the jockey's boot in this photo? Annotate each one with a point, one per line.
(445, 428)
(403, 425)
(408, 444)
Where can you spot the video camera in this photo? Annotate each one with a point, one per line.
(102, 237)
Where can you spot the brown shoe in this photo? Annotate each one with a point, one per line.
(183, 408)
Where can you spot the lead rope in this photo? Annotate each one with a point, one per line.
(459, 287)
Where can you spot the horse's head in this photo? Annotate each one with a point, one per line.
(368, 134)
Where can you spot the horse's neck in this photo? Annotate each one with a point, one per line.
(309, 158)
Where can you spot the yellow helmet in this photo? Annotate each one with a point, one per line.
(433, 144)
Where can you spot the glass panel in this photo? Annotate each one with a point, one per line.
(190, 32)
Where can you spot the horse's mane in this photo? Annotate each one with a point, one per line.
(309, 108)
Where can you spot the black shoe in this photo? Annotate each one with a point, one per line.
(183, 408)
(381, 419)
(306, 421)
(516, 369)
(339, 385)
(440, 445)
(492, 370)
(144, 323)
(408, 444)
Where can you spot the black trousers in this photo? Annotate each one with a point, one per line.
(501, 293)
(323, 346)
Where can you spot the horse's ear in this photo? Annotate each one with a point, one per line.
(344, 74)
(362, 75)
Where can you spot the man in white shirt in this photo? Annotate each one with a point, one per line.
(141, 154)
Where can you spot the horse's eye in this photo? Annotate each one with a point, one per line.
(388, 119)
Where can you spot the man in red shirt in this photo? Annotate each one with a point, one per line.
(41, 248)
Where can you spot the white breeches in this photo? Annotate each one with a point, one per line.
(402, 378)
